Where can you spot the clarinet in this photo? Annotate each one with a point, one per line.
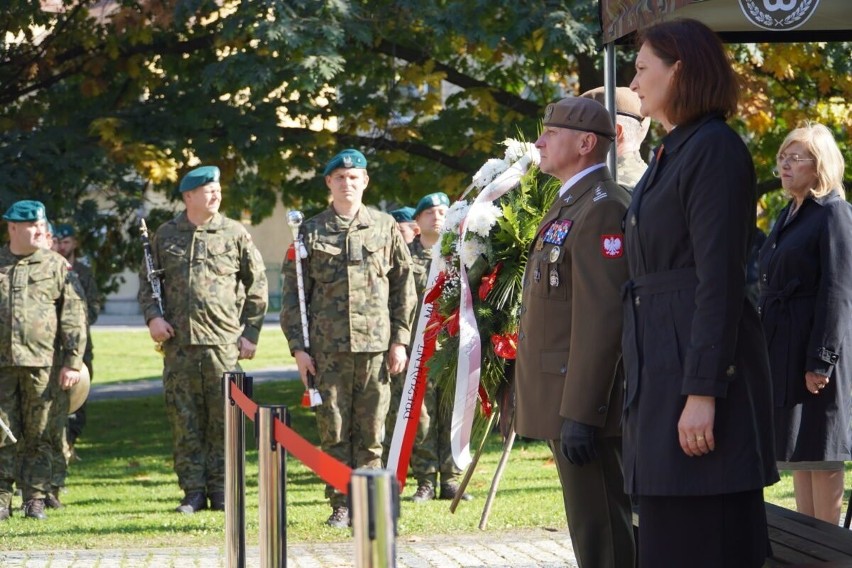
(312, 396)
(153, 274)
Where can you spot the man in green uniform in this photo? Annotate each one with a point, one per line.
(41, 303)
(404, 217)
(208, 324)
(360, 296)
(67, 246)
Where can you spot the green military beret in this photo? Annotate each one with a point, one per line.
(64, 230)
(25, 211)
(432, 200)
(348, 158)
(403, 214)
(198, 177)
(580, 113)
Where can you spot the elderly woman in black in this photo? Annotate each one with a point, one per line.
(698, 409)
(806, 306)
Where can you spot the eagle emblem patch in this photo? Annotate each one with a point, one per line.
(612, 246)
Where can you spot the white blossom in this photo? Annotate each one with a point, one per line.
(455, 214)
(471, 250)
(515, 150)
(489, 170)
(482, 218)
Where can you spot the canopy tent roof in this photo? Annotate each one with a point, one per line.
(735, 20)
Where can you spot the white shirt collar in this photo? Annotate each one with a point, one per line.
(576, 177)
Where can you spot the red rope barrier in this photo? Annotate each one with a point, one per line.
(326, 467)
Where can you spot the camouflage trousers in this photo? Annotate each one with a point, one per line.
(355, 397)
(57, 422)
(192, 386)
(25, 400)
(432, 453)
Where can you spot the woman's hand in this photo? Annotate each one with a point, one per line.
(815, 382)
(695, 427)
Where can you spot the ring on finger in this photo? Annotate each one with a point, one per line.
(699, 437)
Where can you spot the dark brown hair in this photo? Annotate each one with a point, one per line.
(705, 82)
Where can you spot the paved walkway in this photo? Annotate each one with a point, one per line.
(517, 549)
(496, 549)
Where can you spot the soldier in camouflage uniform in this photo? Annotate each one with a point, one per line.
(67, 247)
(631, 128)
(361, 298)
(207, 326)
(40, 302)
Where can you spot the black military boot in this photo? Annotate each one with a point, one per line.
(34, 509)
(192, 502)
(450, 490)
(339, 518)
(51, 500)
(425, 492)
(217, 501)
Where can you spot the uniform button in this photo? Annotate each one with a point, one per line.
(731, 370)
(764, 278)
(562, 369)
(773, 245)
(633, 220)
(522, 335)
(636, 300)
(602, 409)
(759, 311)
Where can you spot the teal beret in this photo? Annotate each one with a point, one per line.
(64, 230)
(430, 201)
(403, 214)
(25, 211)
(348, 158)
(198, 177)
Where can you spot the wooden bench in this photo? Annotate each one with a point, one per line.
(799, 541)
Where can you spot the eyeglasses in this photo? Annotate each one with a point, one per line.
(784, 159)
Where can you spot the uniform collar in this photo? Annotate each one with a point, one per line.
(214, 225)
(363, 218)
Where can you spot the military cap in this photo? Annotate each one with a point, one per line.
(580, 113)
(627, 102)
(198, 177)
(430, 201)
(403, 214)
(25, 211)
(78, 394)
(64, 230)
(349, 158)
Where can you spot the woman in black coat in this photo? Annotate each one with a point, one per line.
(698, 409)
(806, 306)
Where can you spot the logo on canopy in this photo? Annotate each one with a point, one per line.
(778, 15)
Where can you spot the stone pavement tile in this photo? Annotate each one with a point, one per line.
(530, 548)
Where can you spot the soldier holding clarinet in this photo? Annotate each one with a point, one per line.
(360, 298)
(190, 294)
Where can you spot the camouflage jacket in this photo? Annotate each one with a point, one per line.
(421, 260)
(90, 289)
(40, 302)
(203, 271)
(358, 285)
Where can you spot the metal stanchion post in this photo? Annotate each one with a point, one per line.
(374, 494)
(235, 472)
(272, 487)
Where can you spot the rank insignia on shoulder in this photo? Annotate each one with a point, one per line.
(612, 246)
(600, 193)
(558, 231)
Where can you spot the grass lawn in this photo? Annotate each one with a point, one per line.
(123, 492)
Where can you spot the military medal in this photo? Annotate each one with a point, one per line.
(554, 254)
(554, 277)
(539, 244)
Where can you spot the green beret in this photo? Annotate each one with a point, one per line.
(580, 113)
(198, 177)
(348, 158)
(403, 214)
(25, 211)
(430, 201)
(64, 230)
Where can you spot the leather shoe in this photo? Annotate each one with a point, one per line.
(5, 513)
(425, 492)
(34, 509)
(217, 501)
(51, 501)
(192, 502)
(450, 490)
(339, 518)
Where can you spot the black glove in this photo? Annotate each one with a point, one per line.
(578, 442)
